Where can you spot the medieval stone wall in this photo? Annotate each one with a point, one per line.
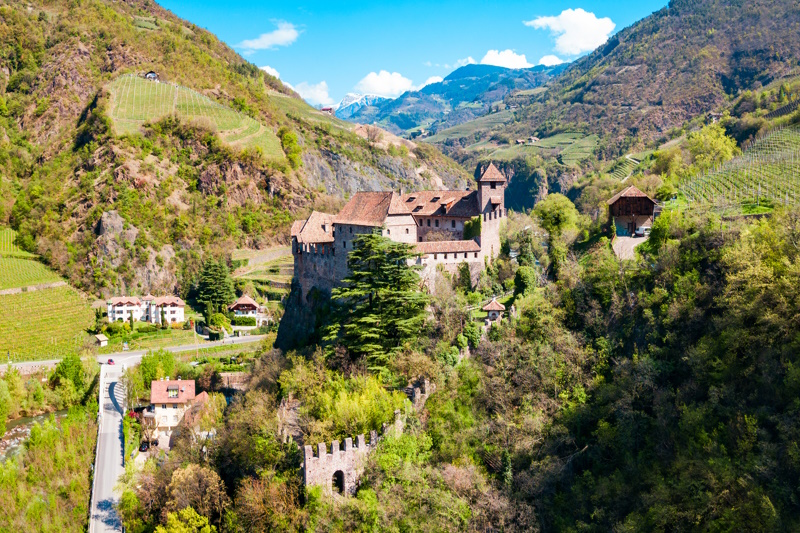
(343, 465)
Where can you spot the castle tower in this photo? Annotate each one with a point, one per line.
(491, 201)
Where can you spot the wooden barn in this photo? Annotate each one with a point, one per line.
(630, 210)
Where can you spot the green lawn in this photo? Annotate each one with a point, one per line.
(135, 101)
(151, 341)
(484, 123)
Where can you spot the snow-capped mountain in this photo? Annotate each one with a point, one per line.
(353, 102)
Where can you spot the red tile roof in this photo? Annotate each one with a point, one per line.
(629, 192)
(459, 204)
(492, 174)
(243, 301)
(371, 209)
(125, 300)
(318, 228)
(159, 391)
(169, 300)
(443, 247)
(494, 305)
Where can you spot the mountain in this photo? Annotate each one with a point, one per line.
(352, 103)
(465, 94)
(123, 184)
(681, 62)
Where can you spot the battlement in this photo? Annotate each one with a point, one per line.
(420, 392)
(341, 468)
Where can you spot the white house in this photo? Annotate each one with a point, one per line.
(148, 309)
(247, 307)
(169, 401)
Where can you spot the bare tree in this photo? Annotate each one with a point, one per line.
(374, 134)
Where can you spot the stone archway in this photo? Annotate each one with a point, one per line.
(338, 482)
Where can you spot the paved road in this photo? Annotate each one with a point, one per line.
(624, 246)
(133, 357)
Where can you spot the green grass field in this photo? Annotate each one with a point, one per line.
(622, 168)
(135, 101)
(20, 272)
(44, 324)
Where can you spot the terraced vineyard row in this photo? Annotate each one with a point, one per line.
(769, 170)
(136, 101)
(19, 272)
(44, 324)
(7, 246)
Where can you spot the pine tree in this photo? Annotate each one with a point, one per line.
(215, 288)
(381, 302)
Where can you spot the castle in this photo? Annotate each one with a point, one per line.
(446, 228)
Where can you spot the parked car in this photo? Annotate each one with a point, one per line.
(144, 446)
(111, 362)
(642, 232)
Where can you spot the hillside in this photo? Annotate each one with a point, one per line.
(683, 61)
(42, 316)
(467, 93)
(123, 184)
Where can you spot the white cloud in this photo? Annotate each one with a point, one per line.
(314, 93)
(576, 31)
(284, 35)
(432, 79)
(466, 61)
(506, 58)
(385, 83)
(550, 61)
(271, 71)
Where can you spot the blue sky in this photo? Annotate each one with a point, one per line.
(327, 49)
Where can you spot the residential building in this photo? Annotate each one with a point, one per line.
(169, 402)
(247, 307)
(446, 228)
(631, 210)
(147, 309)
(494, 310)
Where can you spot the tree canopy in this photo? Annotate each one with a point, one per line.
(215, 286)
(381, 300)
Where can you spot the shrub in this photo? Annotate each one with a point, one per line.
(243, 321)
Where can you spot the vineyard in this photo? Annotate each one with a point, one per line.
(19, 272)
(44, 324)
(135, 101)
(768, 172)
(7, 246)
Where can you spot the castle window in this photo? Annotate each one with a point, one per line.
(445, 256)
(494, 185)
(420, 222)
(388, 232)
(476, 255)
(406, 231)
(344, 244)
(437, 223)
(453, 223)
(351, 229)
(434, 256)
(436, 198)
(420, 239)
(429, 223)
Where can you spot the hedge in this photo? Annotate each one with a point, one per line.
(243, 321)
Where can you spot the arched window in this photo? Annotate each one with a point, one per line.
(338, 482)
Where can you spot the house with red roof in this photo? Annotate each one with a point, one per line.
(446, 228)
(494, 310)
(246, 307)
(169, 402)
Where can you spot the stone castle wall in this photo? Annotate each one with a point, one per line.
(343, 465)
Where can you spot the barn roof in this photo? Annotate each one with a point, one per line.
(492, 174)
(371, 209)
(629, 192)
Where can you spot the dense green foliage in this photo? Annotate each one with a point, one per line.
(214, 288)
(381, 308)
